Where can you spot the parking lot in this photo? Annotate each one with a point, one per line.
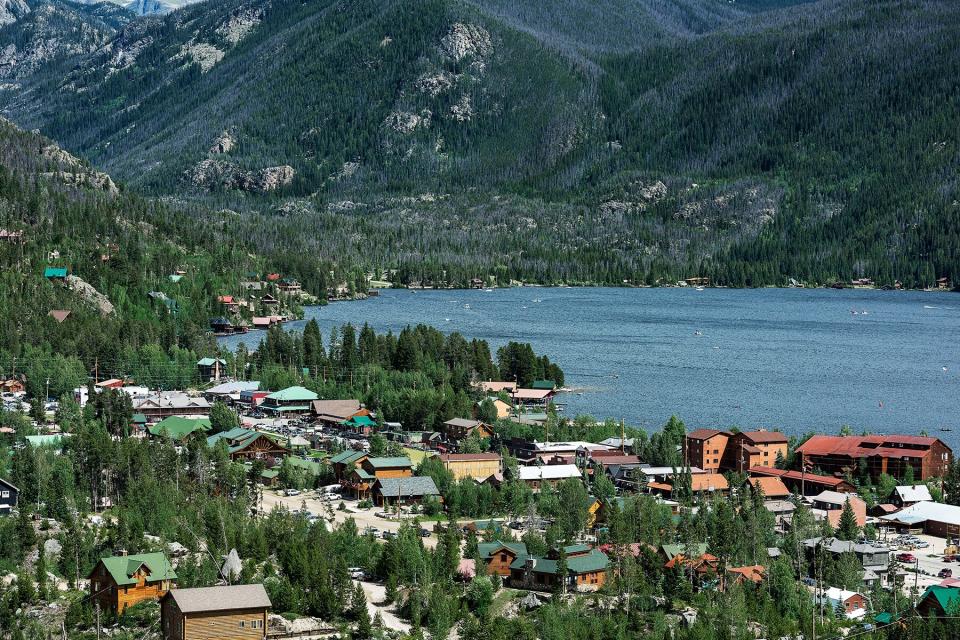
(928, 560)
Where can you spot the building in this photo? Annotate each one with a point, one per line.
(345, 462)
(535, 397)
(803, 483)
(907, 496)
(162, 405)
(700, 483)
(871, 557)
(55, 273)
(771, 486)
(499, 556)
(705, 448)
(936, 519)
(403, 490)
(586, 570)
(122, 581)
(927, 457)
(292, 400)
(360, 481)
(246, 444)
(761, 448)
(478, 466)
(457, 429)
(853, 604)
(8, 497)
(529, 452)
(939, 601)
(211, 369)
(491, 386)
(552, 474)
(502, 408)
(237, 612)
(179, 429)
(331, 413)
(230, 391)
(828, 505)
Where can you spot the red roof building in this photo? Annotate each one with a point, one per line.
(807, 484)
(838, 455)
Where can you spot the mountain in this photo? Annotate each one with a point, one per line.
(636, 140)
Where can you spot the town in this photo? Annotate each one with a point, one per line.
(234, 508)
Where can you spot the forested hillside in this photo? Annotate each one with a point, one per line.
(617, 141)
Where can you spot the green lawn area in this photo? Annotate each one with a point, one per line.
(416, 455)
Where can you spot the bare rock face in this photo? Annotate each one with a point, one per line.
(90, 294)
(238, 26)
(73, 172)
(466, 40)
(405, 122)
(462, 111)
(211, 174)
(433, 84)
(224, 143)
(12, 10)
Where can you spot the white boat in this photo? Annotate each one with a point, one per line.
(488, 290)
(699, 289)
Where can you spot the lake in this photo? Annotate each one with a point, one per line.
(793, 359)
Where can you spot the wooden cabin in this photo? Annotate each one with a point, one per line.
(121, 581)
(237, 612)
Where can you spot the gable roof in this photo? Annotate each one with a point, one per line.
(389, 463)
(347, 457)
(705, 434)
(765, 437)
(59, 314)
(486, 549)
(338, 409)
(238, 596)
(771, 486)
(122, 568)
(915, 493)
(178, 428)
(549, 472)
(947, 597)
(293, 394)
(55, 272)
(673, 550)
(415, 486)
(708, 482)
(8, 484)
(463, 423)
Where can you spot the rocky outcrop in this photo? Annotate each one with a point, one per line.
(466, 40)
(433, 84)
(405, 122)
(71, 171)
(238, 26)
(12, 10)
(90, 294)
(224, 143)
(205, 55)
(213, 174)
(462, 111)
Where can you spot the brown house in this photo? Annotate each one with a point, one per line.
(478, 466)
(122, 581)
(458, 429)
(586, 570)
(754, 449)
(498, 556)
(361, 480)
(237, 612)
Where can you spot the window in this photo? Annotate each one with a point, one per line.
(503, 557)
(4, 494)
(256, 624)
(243, 624)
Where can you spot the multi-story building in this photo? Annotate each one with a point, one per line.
(838, 455)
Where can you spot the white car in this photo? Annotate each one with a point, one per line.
(292, 492)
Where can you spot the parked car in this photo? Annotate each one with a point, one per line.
(516, 524)
(389, 535)
(373, 531)
(906, 557)
(293, 492)
(424, 533)
(950, 558)
(356, 573)
(945, 573)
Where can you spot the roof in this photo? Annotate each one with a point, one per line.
(549, 472)
(828, 481)
(833, 545)
(836, 594)
(337, 409)
(239, 596)
(491, 386)
(469, 457)
(8, 484)
(915, 493)
(947, 597)
(59, 314)
(389, 463)
(765, 437)
(234, 387)
(179, 428)
(772, 487)
(673, 550)
(293, 394)
(709, 482)
(532, 394)
(590, 562)
(122, 568)
(543, 384)
(753, 573)
(209, 362)
(486, 549)
(463, 423)
(360, 421)
(415, 486)
(347, 457)
(55, 272)
(894, 446)
(138, 418)
(922, 511)
(46, 440)
(705, 434)
(832, 497)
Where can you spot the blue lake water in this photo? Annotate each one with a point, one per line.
(794, 359)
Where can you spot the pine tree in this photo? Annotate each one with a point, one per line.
(847, 528)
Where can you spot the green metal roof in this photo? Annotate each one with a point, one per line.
(672, 550)
(347, 457)
(363, 475)
(486, 549)
(947, 597)
(589, 563)
(179, 428)
(359, 421)
(209, 362)
(139, 418)
(293, 394)
(46, 440)
(55, 272)
(295, 407)
(122, 568)
(175, 277)
(386, 463)
(544, 384)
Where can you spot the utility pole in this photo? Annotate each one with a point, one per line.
(97, 609)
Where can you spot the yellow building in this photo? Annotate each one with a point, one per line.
(478, 466)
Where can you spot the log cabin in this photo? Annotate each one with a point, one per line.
(237, 612)
(122, 581)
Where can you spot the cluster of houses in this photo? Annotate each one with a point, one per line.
(261, 302)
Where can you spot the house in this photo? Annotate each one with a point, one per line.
(586, 570)
(252, 398)
(502, 408)
(478, 466)
(491, 386)
(8, 496)
(122, 581)
(12, 385)
(230, 391)
(245, 444)
(907, 496)
(229, 303)
(233, 612)
(457, 429)
(703, 569)
(829, 505)
(669, 551)
(541, 385)
(705, 448)
(269, 301)
(760, 448)
(361, 425)
(158, 406)
(872, 557)
(853, 604)
(804, 483)
(927, 457)
(59, 315)
(753, 574)
(528, 452)
(55, 273)
(537, 476)
(179, 429)
(403, 490)
(289, 285)
(292, 400)
(345, 462)
(499, 556)
(211, 369)
(360, 481)
(334, 412)
(536, 397)
(939, 601)
(936, 519)
(772, 487)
